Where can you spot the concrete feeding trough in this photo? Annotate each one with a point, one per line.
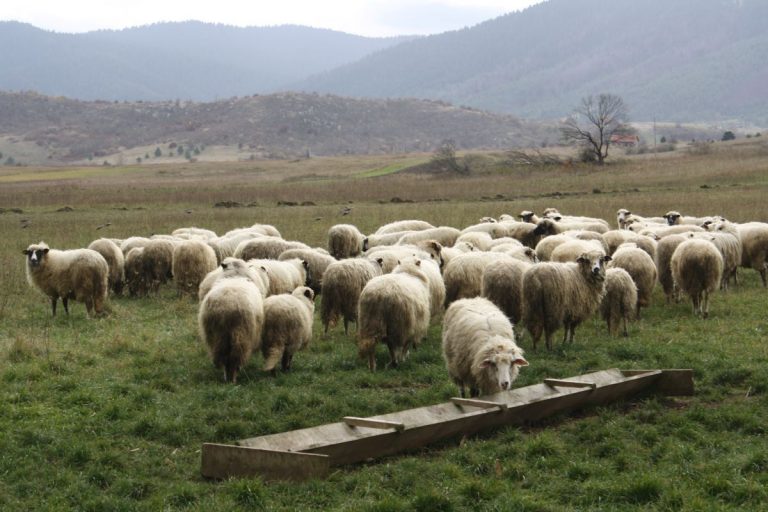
(312, 452)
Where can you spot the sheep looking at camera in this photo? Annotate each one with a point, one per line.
(479, 347)
(79, 274)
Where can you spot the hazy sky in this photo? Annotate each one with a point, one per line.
(364, 17)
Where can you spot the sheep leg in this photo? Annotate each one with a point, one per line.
(474, 392)
(346, 326)
(65, 301)
(286, 361)
(372, 361)
(763, 276)
(548, 338)
(626, 333)
(54, 300)
(705, 305)
(637, 313)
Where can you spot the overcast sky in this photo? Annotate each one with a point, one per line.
(363, 17)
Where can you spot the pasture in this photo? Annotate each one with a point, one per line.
(110, 414)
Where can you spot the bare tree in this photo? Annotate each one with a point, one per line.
(594, 122)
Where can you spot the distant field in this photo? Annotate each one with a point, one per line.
(110, 414)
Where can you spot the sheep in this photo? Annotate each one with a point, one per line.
(572, 249)
(342, 284)
(520, 253)
(436, 284)
(595, 224)
(448, 253)
(502, 284)
(389, 256)
(79, 274)
(192, 261)
(230, 321)
(287, 327)
(640, 267)
(393, 309)
(664, 250)
(548, 244)
(697, 268)
(157, 263)
(267, 247)
(529, 216)
(525, 232)
(495, 229)
(284, 276)
(403, 225)
(198, 232)
(116, 261)
(562, 294)
(506, 241)
(614, 238)
(660, 232)
(374, 240)
(133, 242)
(463, 275)
(624, 217)
(444, 235)
(730, 248)
(344, 241)
(317, 264)
(479, 347)
(754, 241)
(134, 272)
(225, 246)
(674, 218)
(234, 267)
(480, 240)
(620, 300)
(267, 229)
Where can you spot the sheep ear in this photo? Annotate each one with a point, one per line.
(224, 265)
(520, 362)
(380, 261)
(45, 251)
(264, 269)
(581, 259)
(305, 264)
(606, 258)
(308, 293)
(26, 252)
(418, 263)
(486, 363)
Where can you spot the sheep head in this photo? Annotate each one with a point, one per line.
(35, 253)
(592, 264)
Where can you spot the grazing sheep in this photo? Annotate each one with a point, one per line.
(595, 224)
(548, 244)
(389, 256)
(503, 285)
(234, 267)
(730, 248)
(116, 261)
(372, 241)
(284, 276)
(287, 326)
(198, 232)
(697, 268)
(134, 272)
(157, 263)
(614, 238)
(521, 253)
(403, 225)
(267, 247)
(449, 253)
(393, 309)
(664, 251)
(192, 260)
(344, 241)
(620, 300)
(526, 233)
(640, 267)
(480, 240)
(573, 249)
(479, 347)
(317, 263)
(342, 284)
(79, 274)
(444, 235)
(562, 294)
(132, 243)
(230, 319)
(495, 229)
(225, 246)
(754, 241)
(436, 284)
(463, 275)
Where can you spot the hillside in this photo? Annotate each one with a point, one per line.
(685, 60)
(277, 125)
(166, 61)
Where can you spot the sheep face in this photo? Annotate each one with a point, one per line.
(544, 227)
(503, 367)
(622, 215)
(526, 215)
(593, 264)
(35, 254)
(672, 217)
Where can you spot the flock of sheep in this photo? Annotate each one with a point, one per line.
(484, 282)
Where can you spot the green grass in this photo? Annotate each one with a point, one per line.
(389, 169)
(110, 414)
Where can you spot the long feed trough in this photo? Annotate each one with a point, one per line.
(312, 452)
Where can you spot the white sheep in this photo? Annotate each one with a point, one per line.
(640, 267)
(620, 300)
(198, 232)
(192, 261)
(444, 235)
(287, 326)
(664, 250)
(116, 261)
(448, 253)
(562, 295)
(754, 241)
(480, 240)
(436, 284)
(393, 309)
(494, 229)
(230, 320)
(572, 249)
(479, 347)
(463, 275)
(234, 267)
(344, 241)
(502, 284)
(697, 268)
(79, 274)
(343, 282)
(730, 248)
(403, 225)
(284, 276)
(317, 262)
(267, 247)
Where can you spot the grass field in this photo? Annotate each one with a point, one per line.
(110, 414)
